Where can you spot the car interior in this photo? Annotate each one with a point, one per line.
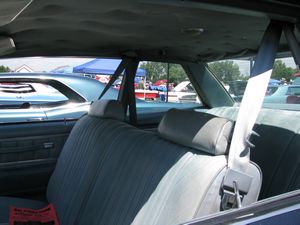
(115, 165)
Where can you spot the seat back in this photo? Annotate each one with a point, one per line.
(157, 178)
(80, 157)
(110, 172)
(276, 150)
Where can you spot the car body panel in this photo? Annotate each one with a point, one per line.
(70, 109)
(282, 94)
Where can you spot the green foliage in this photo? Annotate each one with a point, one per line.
(158, 71)
(4, 69)
(280, 70)
(155, 70)
(176, 73)
(226, 71)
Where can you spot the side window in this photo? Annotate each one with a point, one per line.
(283, 91)
(293, 90)
(165, 86)
(23, 95)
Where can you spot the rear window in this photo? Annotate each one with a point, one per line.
(64, 88)
(166, 86)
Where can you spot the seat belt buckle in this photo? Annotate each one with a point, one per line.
(231, 200)
(235, 186)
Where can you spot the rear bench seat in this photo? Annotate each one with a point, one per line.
(277, 150)
(112, 173)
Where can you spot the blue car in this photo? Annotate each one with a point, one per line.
(40, 97)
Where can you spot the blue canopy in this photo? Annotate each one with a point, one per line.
(274, 82)
(103, 66)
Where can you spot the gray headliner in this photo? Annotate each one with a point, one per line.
(146, 29)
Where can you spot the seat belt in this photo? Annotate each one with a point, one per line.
(127, 98)
(113, 78)
(236, 183)
(131, 72)
(292, 42)
(127, 92)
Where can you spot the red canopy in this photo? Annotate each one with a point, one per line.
(160, 82)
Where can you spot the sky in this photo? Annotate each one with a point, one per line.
(40, 64)
(244, 65)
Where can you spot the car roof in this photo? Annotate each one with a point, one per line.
(186, 30)
(76, 82)
(44, 75)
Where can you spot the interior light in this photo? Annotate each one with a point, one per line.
(192, 31)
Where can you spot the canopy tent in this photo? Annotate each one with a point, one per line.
(103, 66)
(274, 82)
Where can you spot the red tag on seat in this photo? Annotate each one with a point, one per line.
(24, 216)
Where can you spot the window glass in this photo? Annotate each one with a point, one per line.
(165, 86)
(64, 88)
(26, 95)
(283, 91)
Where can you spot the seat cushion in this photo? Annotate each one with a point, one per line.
(6, 202)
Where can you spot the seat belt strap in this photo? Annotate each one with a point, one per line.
(127, 92)
(292, 42)
(113, 78)
(130, 73)
(236, 182)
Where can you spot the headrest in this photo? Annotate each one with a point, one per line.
(201, 131)
(108, 109)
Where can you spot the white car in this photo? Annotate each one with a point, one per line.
(183, 92)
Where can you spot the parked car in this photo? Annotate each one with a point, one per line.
(38, 97)
(183, 92)
(297, 81)
(271, 89)
(237, 89)
(289, 94)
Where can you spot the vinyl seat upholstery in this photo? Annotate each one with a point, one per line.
(110, 172)
(276, 151)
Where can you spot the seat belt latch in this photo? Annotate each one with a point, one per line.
(235, 186)
(248, 139)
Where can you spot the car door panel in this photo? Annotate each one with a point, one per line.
(21, 115)
(28, 153)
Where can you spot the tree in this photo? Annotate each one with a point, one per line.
(226, 71)
(176, 73)
(280, 70)
(4, 69)
(158, 71)
(155, 70)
